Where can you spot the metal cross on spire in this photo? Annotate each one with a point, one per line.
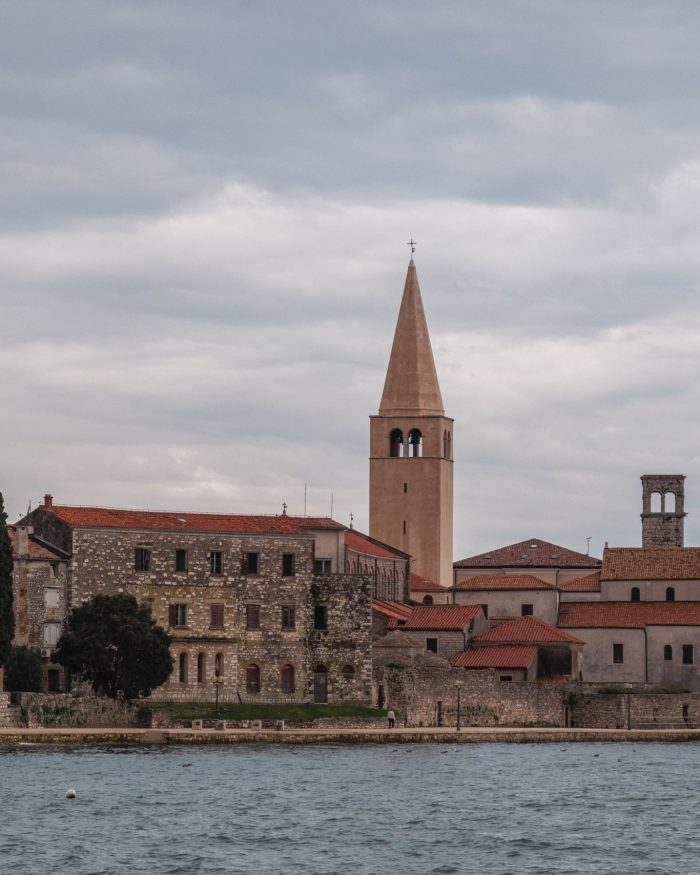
(412, 244)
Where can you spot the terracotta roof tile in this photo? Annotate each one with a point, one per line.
(645, 563)
(422, 584)
(36, 549)
(319, 522)
(531, 553)
(525, 630)
(394, 610)
(627, 615)
(503, 581)
(499, 656)
(364, 544)
(107, 517)
(588, 583)
(442, 616)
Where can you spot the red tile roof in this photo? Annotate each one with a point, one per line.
(446, 617)
(364, 544)
(525, 630)
(36, 549)
(393, 610)
(531, 553)
(646, 563)
(588, 583)
(499, 656)
(503, 581)
(422, 584)
(319, 522)
(627, 615)
(108, 517)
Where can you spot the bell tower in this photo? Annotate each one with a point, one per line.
(663, 497)
(410, 466)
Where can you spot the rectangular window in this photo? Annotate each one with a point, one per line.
(289, 619)
(252, 616)
(431, 644)
(52, 632)
(177, 615)
(51, 598)
(320, 617)
(687, 654)
(288, 564)
(322, 566)
(216, 616)
(249, 563)
(216, 562)
(142, 559)
(405, 488)
(181, 560)
(618, 654)
(526, 610)
(506, 678)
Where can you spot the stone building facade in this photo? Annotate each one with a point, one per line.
(663, 500)
(249, 611)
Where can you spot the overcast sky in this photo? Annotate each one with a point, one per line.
(203, 215)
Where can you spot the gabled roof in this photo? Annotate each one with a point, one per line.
(116, 518)
(37, 550)
(651, 563)
(364, 544)
(319, 522)
(411, 387)
(627, 615)
(444, 617)
(524, 630)
(587, 583)
(499, 656)
(531, 553)
(422, 584)
(393, 610)
(487, 582)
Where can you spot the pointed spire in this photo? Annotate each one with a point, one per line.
(411, 387)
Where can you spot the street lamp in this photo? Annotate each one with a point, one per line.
(458, 687)
(218, 683)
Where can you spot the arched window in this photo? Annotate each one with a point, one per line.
(670, 594)
(655, 504)
(183, 668)
(287, 678)
(396, 443)
(670, 502)
(219, 665)
(415, 443)
(634, 595)
(668, 652)
(427, 600)
(252, 678)
(201, 668)
(348, 672)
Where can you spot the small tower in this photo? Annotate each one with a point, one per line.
(663, 496)
(410, 466)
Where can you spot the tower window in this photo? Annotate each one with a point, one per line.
(415, 443)
(635, 594)
(405, 488)
(670, 594)
(396, 444)
(404, 527)
(655, 505)
(670, 502)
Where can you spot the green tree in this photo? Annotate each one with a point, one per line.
(7, 616)
(112, 642)
(23, 671)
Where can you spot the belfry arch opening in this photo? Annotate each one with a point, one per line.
(415, 443)
(655, 502)
(670, 502)
(396, 444)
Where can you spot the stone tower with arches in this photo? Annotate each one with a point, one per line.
(663, 497)
(410, 467)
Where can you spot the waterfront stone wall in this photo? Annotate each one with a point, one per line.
(45, 709)
(415, 691)
(639, 709)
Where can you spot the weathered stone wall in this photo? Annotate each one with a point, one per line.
(44, 709)
(637, 709)
(414, 692)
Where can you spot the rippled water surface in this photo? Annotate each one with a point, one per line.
(606, 808)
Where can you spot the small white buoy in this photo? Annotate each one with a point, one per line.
(70, 794)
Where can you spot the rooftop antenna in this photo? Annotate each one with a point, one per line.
(412, 243)
(352, 517)
(588, 545)
(305, 499)
(284, 508)
(331, 505)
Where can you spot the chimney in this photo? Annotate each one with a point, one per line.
(22, 546)
(48, 500)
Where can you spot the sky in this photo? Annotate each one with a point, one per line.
(204, 209)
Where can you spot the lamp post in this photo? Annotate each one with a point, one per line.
(458, 687)
(218, 683)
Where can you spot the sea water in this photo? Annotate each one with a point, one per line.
(400, 809)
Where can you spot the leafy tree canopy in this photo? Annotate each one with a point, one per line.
(7, 617)
(23, 670)
(113, 643)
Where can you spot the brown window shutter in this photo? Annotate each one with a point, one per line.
(172, 615)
